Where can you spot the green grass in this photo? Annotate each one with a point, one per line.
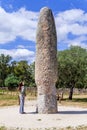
(80, 100)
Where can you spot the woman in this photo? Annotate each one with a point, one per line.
(22, 97)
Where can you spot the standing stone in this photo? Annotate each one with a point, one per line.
(46, 62)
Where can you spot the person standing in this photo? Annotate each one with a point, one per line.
(22, 97)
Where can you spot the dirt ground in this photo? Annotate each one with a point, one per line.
(66, 117)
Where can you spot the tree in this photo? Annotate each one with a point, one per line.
(4, 65)
(72, 68)
(12, 66)
(23, 71)
(12, 82)
(32, 72)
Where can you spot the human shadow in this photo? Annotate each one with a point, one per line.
(31, 112)
(72, 112)
(63, 112)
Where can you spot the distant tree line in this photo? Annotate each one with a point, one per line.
(72, 70)
(12, 72)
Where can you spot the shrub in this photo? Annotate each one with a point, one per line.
(11, 82)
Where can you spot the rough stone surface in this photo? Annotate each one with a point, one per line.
(46, 62)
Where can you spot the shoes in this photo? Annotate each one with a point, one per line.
(22, 112)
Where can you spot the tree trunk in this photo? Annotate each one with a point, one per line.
(71, 93)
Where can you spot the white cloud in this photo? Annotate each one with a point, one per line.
(71, 21)
(70, 16)
(20, 46)
(81, 44)
(19, 54)
(78, 29)
(21, 23)
(80, 41)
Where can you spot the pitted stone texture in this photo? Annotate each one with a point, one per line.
(48, 106)
(46, 49)
(46, 60)
(47, 102)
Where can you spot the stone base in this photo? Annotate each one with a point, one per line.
(47, 104)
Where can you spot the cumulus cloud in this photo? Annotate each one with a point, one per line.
(72, 21)
(79, 41)
(23, 24)
(20, 54)
(17, 24)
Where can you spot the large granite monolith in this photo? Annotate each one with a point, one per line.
(46, 62)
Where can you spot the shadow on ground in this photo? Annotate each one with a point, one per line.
(72, 112)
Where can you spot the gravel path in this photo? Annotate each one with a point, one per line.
(66, 116)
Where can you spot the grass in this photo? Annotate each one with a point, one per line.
(8, 98)
(67, 128)
(74, 128)
(78, 100)
(3, 128)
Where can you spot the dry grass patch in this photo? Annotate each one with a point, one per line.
(8, 99)
(54, 128)
(78, 100)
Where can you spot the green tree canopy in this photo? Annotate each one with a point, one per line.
(72, 67)
(23, 71)
(4, 66)
(11, 81)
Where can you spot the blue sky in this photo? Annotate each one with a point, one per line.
(18, 24)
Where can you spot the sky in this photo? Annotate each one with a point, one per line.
(18, 25)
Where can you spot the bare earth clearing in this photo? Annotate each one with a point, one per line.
(66, 116)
